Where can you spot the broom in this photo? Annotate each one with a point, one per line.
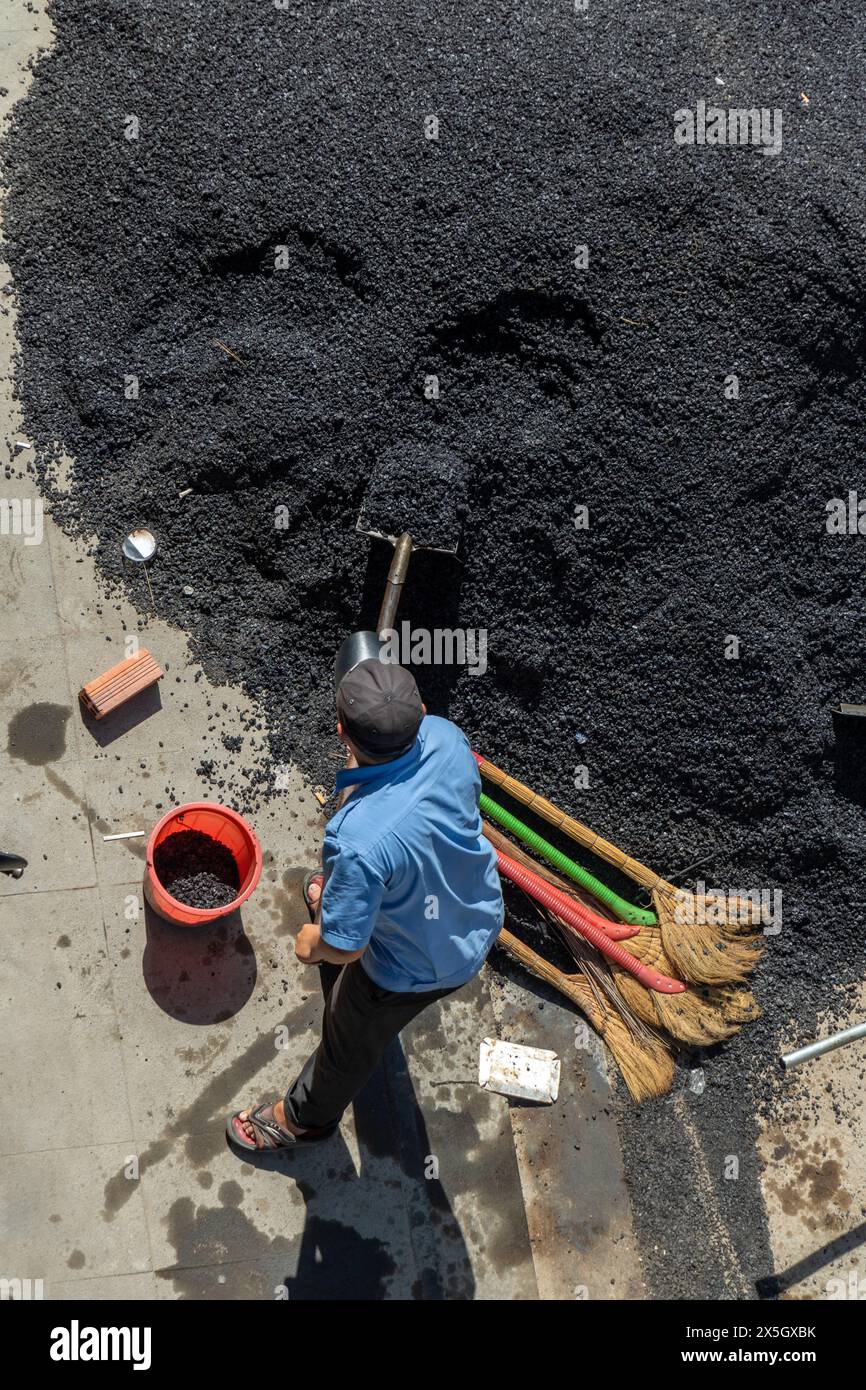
(703, 951)
(646, 1062)
(599, 974)
(704, 1016)
(625, 911)
(500, 841)
(586, 924)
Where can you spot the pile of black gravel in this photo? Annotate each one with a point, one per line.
(196, 869)
(406, 258)
(420, 489)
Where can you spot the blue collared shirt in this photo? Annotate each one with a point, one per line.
(408, 874)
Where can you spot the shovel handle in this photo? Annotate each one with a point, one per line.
(394, 587)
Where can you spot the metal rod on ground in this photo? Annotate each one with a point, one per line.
(817, 1049)
(150, 591)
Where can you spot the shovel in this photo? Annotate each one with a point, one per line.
(415, 501)
(12, 864)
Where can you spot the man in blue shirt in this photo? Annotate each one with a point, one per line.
(408, 905)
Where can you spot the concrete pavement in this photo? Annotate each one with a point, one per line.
(125, 1042)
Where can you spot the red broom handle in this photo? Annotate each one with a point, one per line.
(614, 931)
(585, 922)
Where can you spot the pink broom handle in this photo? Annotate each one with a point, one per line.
(584, 922)
(614, 931)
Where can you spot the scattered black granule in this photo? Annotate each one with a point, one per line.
(420, 489)
(652, 431)
(197, 870)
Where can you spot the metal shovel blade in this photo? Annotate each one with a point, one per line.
(12, 864)
(419, 490)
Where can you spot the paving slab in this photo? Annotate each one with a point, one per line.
(577, 1206)
(183, 711)
(55, 1223)
(45, 818)
(84, 607)
(122, 1288)
(178, 712)
(38, 713)
(54, 950)
(26, 577)
(462, 1137)
(325, 1270)
(67, 1049)
(58, 1077)
(203, 1015)
(811, 1148)
(132, 792)
(250, 1280)
(207, 1206)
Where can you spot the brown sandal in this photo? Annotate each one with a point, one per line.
(272, 1133)
(309, 880)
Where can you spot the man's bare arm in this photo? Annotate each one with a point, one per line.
(311, 949)
(309, 946)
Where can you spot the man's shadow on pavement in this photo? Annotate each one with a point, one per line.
(350, 1255)
(336, 1261)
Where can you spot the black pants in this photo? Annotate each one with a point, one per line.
(360, 1020)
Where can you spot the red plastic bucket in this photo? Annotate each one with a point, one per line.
(222, 824)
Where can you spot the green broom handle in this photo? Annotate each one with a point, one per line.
(596, 844)
(625, 911)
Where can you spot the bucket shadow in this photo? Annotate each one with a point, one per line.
(198, 975)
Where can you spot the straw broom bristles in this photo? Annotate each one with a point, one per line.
(702, 951)
(704, 1015)
(703, 937)
(647, 1067)
(708, 1014)
(598, 973)
(643, 1075)
(646, 1062)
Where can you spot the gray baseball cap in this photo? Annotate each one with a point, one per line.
(380, 708)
